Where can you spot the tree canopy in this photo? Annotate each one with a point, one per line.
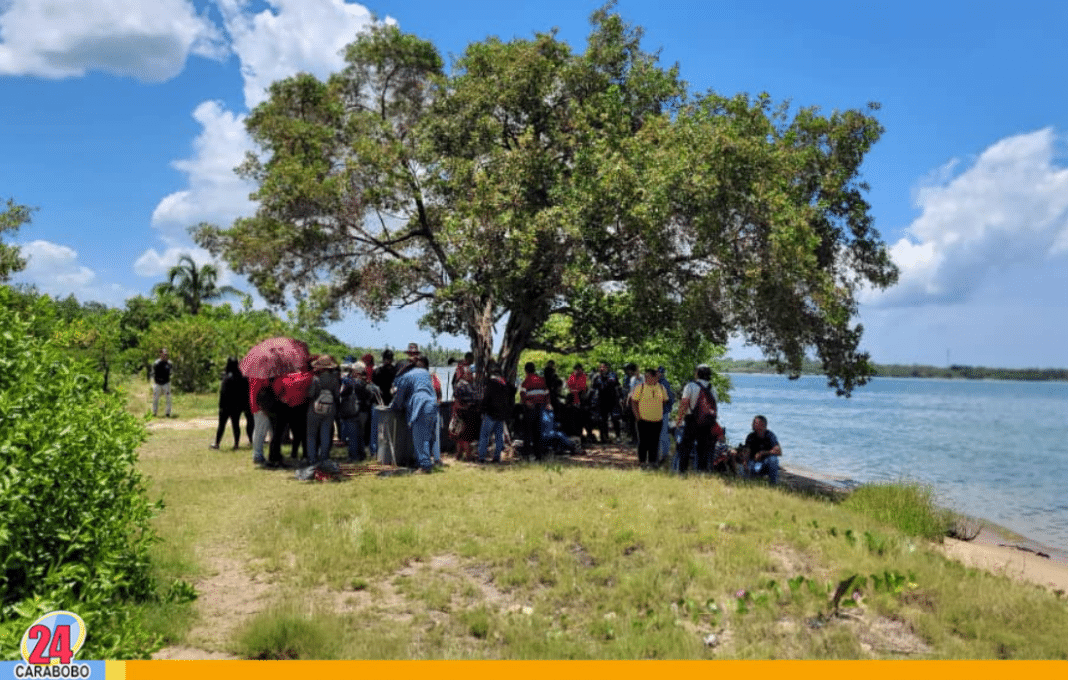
(533, 182)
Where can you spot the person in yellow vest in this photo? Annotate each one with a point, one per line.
(647, 403)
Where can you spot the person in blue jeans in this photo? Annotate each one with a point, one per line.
(764, 451)
(496, 407)
(323, 399)
(416, 399)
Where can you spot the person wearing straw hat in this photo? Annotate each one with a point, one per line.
(323, 397)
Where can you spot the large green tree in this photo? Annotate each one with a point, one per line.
(193, 284)
(532, 181)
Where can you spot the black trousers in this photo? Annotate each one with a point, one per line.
(235, 421)
(649, 441)
(692, 436)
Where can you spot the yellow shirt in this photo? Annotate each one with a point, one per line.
(650, 400)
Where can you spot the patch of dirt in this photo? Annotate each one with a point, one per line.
(230, 596)
(206, 423)
(881, 636)
(226, 599)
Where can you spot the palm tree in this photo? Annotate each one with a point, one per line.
(193, 284)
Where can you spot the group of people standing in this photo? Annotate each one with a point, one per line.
(306, 406)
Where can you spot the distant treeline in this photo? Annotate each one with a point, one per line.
(913, 371)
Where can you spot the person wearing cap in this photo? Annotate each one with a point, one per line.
(414, 396)
(323, 399)
(406, 364)
(692, 435)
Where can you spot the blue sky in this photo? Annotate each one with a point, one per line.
(121, 120)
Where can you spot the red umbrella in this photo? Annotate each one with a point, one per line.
(274, 357)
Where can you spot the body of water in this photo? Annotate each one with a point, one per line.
(992, 449)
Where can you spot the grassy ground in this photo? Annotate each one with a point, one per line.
(556, 561)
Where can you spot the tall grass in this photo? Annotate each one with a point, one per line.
(906, 506)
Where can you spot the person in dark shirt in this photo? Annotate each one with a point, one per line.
(161, 381)
(384, 375)
(233, 401)
(764, 451)
(497, 403)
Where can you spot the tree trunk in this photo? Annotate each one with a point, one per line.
(481, 334)
(517, 335)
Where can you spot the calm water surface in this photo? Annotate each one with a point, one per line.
(993, 448)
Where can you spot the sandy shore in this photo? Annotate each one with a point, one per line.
(1022, 560)
(996, 551)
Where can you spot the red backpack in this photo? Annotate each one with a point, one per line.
(704, 412)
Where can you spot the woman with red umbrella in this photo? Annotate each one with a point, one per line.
(263, 363)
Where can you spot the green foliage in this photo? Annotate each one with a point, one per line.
(11, 219)
(909, 507)
(199, 345)
(76, 530)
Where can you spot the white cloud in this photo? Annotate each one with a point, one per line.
(290, 37)
(1007, 211)
(145, 39)
(54, 269)
(155, 264)
(215, 193)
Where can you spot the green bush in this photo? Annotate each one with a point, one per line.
(76, 518)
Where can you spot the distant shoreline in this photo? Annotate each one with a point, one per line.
(955, 372)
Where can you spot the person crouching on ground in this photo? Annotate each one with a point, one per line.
(764, 451)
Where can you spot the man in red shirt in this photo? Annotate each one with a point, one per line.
(534, 396)
(578, 385)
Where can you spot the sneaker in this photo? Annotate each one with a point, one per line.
(213, 446)
(259, 460)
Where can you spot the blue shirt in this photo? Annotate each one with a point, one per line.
(415, 394)
(670, 394)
